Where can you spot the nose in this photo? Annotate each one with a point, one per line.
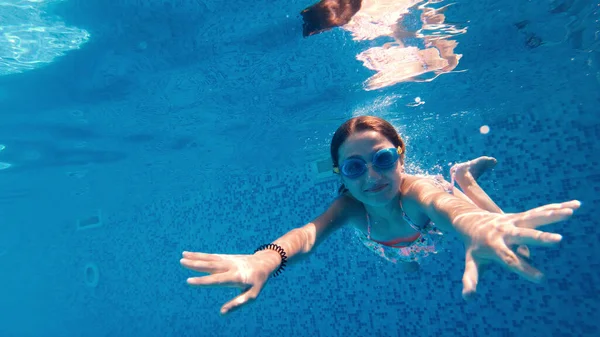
(372, 173)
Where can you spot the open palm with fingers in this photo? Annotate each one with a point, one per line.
(491, 235)
(249, 273)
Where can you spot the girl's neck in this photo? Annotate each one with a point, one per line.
(387, 210)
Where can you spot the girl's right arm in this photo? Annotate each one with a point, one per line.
(251, 272)
(300, 242)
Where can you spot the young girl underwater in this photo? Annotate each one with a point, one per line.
(398, 215)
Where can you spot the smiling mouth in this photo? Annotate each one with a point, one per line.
(375, 189)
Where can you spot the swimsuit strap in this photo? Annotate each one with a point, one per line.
(452, 180)
(368, 226)
(404, 216)
(408, 219)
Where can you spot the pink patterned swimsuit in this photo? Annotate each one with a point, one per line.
(422, 244)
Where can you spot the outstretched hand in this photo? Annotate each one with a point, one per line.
(249, 273)
(490, 241)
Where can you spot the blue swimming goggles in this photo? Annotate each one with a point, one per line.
(353, 168)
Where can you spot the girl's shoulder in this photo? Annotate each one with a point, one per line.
(354, 211)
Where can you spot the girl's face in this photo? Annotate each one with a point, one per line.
(376, 186)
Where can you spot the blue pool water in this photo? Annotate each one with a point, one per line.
(131, 131)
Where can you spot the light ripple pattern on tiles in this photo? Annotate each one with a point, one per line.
(30, 38)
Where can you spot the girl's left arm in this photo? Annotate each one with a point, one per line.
(487, 236)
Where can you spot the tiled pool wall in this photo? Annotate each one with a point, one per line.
(546, 154)
(111, 265)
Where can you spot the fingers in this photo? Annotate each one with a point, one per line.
(573, 204)
(524, 251)
(201, 256)
(519, 265)
(470, 277)
(528, 236)
(203, 266)
(216, 280)
(536, 219)
(547, 214)
(239, 301)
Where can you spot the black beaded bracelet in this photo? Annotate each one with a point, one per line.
(281, 252)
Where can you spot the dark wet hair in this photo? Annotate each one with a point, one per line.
(358, 124)
(327, 14)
